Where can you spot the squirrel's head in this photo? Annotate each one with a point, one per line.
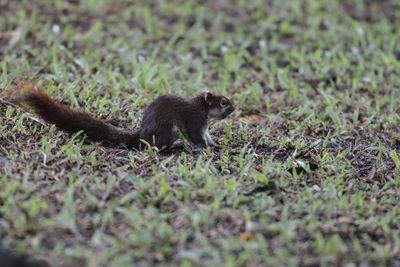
(219, 106)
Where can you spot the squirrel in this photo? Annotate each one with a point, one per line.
(159, 127)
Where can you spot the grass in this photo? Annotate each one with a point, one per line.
(309, 170)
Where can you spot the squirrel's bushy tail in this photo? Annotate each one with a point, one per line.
(33, 98)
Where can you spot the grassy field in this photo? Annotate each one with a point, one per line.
(309, 169)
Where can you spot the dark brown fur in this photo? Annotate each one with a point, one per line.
(160, 121)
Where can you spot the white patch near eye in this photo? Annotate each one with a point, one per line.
(223, 103)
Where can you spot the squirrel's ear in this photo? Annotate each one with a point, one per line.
(208, 97)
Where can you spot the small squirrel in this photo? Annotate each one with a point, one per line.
(160, 124)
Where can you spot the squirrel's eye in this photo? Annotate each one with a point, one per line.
(223, 102)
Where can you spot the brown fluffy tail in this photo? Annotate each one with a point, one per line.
(33, 98)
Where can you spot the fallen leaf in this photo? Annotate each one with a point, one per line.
(247, 236)
(254, 116)
(244, 118)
